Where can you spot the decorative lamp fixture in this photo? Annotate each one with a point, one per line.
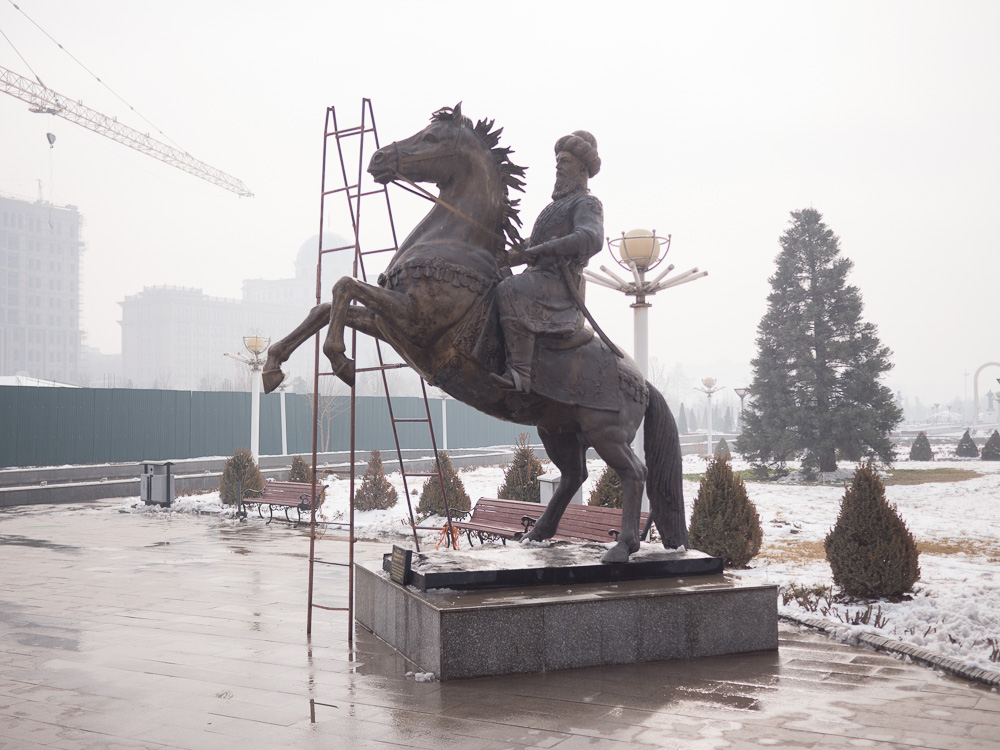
(256, 345)
(639, 246)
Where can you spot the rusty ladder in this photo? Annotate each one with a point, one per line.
(356, 191)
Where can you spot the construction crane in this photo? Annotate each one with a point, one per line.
(43, 100)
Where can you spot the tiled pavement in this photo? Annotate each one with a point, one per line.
(176, 631)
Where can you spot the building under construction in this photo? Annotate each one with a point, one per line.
(40, 254)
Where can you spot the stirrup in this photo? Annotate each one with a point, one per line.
(510, 380)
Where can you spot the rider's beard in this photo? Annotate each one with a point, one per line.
(567, 185)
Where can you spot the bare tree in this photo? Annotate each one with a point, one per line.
(332, 402)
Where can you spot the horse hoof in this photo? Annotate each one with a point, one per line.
(617, 554)
(346, 372)
(272, 379)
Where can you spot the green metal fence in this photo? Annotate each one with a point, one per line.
(55, 426)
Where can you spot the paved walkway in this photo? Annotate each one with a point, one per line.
(123, 630)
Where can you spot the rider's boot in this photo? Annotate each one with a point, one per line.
(520, 344)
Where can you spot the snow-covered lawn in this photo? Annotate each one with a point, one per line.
(954, 612)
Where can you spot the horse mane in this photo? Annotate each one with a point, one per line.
(510, 173)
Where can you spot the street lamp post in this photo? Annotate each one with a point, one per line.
(256, 345)
(284, 418)
(741, 392)
(708, 390)
(639, 251)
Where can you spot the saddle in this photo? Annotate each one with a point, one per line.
(579, 369)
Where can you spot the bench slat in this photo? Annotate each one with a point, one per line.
(579, 523)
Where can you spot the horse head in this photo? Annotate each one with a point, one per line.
(460, 156)
(431, 155)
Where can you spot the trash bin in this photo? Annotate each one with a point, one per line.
(156, 485)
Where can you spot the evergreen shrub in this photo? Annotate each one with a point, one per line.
(431, 500)
(300, 471)
(721, 450)
(991, 451)
(240, 471)
(921, 449)
(375, 492)
(724, 521)
(871, 552)
(520, 477)
(608, 490)
(967, 447)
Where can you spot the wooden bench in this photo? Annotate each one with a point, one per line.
(512, 519)
(287, 495)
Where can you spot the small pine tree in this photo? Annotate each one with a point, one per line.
(921, 449)
(300, 471)
(608, 490)
(967, 447)
(991, 451)
(375, 492)
(520, 478)
(240, 471)
(721, 450)
(431, 500)
(724, 521)
(682, 421)
(871, 552)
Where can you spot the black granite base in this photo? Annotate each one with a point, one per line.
(663, 564)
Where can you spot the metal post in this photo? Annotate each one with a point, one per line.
(444, 423)
(284, 424)
(255, 412)
(709, 424)
(640, 348)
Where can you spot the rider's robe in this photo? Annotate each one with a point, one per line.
(537, 298)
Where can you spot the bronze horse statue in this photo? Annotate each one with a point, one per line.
(435, 305)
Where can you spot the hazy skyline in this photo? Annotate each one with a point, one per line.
(714, 121)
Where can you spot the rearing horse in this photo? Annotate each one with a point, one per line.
(435, 306)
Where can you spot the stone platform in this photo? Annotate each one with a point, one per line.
(558, 563)
(540, 628)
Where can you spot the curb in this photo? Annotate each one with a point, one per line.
(921, 655)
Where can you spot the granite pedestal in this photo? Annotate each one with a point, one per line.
(538, 628)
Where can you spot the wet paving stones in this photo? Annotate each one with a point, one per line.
(159, 630)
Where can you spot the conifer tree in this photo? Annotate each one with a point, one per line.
(239, 473)
(721, 450)
(431, 499)
(608, 490)
(816, 388)
(871, 552)
(991, 451)
(724, 521)
(375, 492)
(682, 422)
(967, 447)
(520, 478)
(921, 449)
(300, 471)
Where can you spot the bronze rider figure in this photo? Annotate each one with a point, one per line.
(567, 233)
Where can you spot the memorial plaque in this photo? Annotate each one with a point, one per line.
(399, 568)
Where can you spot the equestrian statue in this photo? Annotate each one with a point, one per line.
(515, 346)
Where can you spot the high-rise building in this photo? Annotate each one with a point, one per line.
(174, 337)
(40, 251)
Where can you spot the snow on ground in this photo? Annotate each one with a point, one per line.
(954, 611)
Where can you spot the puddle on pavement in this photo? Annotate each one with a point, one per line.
(24, 541)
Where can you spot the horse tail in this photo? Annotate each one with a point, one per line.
(665, 477)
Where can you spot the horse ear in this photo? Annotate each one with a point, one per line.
(457, 111)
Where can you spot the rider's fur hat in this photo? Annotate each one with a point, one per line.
(583, 146)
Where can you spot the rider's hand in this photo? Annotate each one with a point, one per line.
(516, 257)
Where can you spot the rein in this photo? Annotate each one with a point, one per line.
(425, 193)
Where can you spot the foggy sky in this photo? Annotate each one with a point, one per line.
(714, 122)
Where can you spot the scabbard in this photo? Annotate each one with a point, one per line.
(574, 292)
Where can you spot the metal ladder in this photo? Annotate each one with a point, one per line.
(358, 191)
